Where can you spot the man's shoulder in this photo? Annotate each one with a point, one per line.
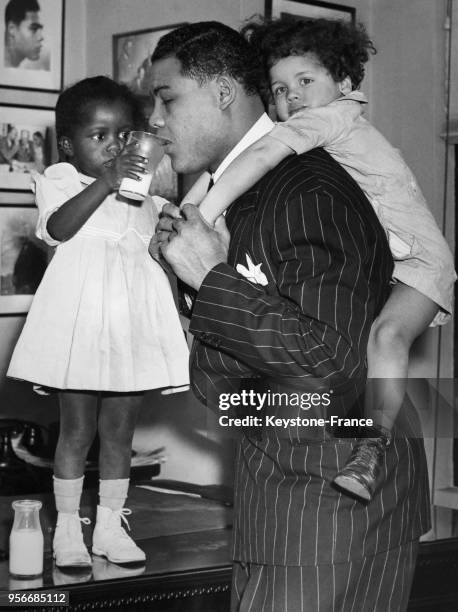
(313, 177)
(310, 171)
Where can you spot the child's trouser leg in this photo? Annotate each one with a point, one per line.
(117, 420)
(405, 316)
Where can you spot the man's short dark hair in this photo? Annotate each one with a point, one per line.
(209, 49)
(16, 10)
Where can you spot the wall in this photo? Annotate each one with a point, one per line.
(408, 107)
(107, 17)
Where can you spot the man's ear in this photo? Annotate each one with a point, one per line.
(345, 86)
(11, 29)
(65, 144)
(227, 91)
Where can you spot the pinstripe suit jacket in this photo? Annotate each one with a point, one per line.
(328, 265)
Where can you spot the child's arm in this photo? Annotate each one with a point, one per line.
(198, 191)
(305, 130)
(73, 214)
(241, 174)
(323, 126)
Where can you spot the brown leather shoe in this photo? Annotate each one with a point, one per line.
(360, 474)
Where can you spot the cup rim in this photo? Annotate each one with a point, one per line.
(142, 132)
(162, 140)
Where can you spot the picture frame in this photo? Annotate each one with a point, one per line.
(26, 144)
(131, 54)
(312, 9)
(23, 258)
(34, 60)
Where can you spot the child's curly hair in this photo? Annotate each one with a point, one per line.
(340, 46)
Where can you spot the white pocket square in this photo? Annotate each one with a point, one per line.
(252, 272)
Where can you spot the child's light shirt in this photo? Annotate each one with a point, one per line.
(421, 255)
(103, 317)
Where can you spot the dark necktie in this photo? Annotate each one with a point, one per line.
(186, 294)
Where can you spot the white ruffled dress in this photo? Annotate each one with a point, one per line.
(103, 317)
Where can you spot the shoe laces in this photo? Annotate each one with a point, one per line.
(74, 528)
(76, 518)
(122, 515)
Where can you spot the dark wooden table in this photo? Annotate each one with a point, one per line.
(187, 572)
(187, 544)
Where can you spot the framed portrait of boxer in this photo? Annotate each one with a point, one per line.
(31, 54)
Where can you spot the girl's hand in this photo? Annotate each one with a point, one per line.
(126, 165)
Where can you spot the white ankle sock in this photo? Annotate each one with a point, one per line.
(67, 493)
(113, 493)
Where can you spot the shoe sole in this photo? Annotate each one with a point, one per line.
(85, 564)
(351, 485)
(101, 553)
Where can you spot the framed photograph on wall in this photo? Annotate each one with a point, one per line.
(309, 8)
(32, 44)
(23, 258)
(131, 56)
(26, 144)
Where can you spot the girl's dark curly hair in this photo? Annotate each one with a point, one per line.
(340, 46)
(74, 102)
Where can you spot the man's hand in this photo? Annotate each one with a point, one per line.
(189, 244)
(171, 211)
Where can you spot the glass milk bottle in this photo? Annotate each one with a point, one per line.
(26, 539)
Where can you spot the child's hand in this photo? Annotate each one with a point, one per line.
(126, 165)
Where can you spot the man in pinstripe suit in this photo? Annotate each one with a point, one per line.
(286, 308)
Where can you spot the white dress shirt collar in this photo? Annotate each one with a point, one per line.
(262, 126)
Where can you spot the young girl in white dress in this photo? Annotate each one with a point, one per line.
(103, 327)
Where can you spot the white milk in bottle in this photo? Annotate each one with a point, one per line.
(26, 540)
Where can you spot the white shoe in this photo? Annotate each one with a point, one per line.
(110, 539)
(68, 545)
